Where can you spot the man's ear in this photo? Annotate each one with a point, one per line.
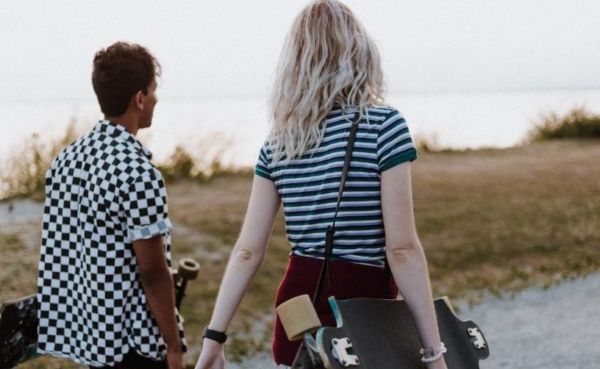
(138, 100)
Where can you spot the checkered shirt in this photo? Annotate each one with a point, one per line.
(102, 194)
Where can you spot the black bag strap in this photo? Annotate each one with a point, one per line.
(331, 228)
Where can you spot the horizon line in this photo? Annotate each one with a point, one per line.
(71, 99)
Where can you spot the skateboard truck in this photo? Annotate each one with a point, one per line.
(479, 342)
(187, 271)
(340, 350)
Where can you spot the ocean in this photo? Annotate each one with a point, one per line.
(235, 128)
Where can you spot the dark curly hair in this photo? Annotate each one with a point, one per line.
(120, 71)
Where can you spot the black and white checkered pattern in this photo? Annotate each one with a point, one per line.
(102, 193)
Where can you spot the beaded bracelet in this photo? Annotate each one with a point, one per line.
(434, 353)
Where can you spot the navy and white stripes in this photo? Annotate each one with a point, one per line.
(308, 186)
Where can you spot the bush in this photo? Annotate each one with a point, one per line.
(202, 162)
(428, 144)
(578, 123)
(24, 174)
(180, 165)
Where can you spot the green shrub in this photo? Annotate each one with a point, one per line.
(578, 123)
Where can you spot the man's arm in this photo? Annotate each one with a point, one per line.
(157, 282)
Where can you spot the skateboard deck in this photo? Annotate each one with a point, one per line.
(19, 322)
(390, 342)
(18, 331)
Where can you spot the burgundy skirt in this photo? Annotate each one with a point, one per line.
(348, 280)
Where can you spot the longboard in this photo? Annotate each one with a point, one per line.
(389, 342)
(18, 331)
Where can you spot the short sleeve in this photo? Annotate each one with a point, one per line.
(145, 207)
(394, 143)
(262, 164)
(48, 181)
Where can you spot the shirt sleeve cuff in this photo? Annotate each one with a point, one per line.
(263, 174)
(400, 158)
(145, 232)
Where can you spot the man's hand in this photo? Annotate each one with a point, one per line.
(175, 358)
(212, 355)
(157, 282)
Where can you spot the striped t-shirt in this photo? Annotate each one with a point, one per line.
(308, 186)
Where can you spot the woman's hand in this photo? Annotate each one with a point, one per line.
(212, 355)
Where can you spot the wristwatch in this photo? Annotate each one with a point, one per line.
(211, 334)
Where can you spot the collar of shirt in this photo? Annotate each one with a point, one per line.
(120, 133)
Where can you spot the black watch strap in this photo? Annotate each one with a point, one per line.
(220, 337)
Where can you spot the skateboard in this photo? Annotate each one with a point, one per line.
(390, 342)
(18, 318)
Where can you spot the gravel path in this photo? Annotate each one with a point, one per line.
(556, 328)
(23, 218)
(19, 211)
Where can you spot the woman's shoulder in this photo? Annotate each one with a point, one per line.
(380, 114)
(383, 110)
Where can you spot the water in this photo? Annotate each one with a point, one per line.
(237, 126)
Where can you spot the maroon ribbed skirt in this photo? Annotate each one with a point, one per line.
(348, 280)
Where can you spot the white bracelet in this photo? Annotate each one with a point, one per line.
(436, 351)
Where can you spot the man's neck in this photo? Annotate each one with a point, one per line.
(131, 125)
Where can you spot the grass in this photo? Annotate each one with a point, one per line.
(501, 220)
(577, 123)
(491, 221)
(24, 174)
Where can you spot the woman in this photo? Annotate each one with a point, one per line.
(330, 75)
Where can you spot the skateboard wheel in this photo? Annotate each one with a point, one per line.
(298, 316)
(188, 268)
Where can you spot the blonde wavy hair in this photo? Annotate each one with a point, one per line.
(328, 59)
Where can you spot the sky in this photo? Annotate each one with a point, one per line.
(230, 48)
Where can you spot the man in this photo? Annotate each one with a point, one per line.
(105, 292)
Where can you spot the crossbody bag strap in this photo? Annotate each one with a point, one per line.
(331, 228)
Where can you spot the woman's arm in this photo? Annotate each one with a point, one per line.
(248, 252)
(244, 261)
(405, 254)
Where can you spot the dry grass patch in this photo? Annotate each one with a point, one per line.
(505, 219)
